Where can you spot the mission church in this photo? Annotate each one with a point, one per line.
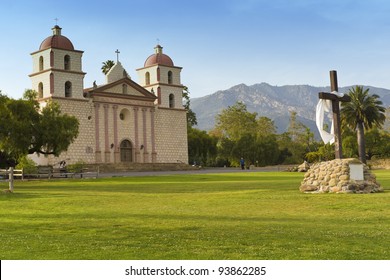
(121, 121)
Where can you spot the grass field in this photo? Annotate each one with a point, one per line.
(201, 216)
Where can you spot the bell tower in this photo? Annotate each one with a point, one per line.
(161, 77)
(57, 68)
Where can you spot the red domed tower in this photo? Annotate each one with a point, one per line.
(160, 76)
(57, 68)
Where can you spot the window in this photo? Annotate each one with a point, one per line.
(51, 59)
(40, 90)
(147, 78)
(169, 77)
(171, 101)
(41, 63)
(124, 115)
(67, 62)
(68, 89)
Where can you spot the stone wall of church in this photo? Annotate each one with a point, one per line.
(60, 78)
(166, 91)
(43, 78)
(171, 136)
(175, 74)
(152, 75)
(74, 63)
(36, 58)
(82, 149)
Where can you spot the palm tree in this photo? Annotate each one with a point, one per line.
(107, 65)
(362, 112)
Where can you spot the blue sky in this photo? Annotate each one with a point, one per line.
(218, 43)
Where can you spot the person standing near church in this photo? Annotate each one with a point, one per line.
(242, 163)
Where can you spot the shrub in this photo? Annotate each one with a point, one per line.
(76, 167)
(27, 164)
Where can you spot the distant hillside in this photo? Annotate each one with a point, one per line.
(274, 102)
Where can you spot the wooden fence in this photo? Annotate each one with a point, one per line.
(9, 175)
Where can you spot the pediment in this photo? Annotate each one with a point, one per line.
(125, 87)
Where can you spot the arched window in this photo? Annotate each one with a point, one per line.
(147, 78)
(171, 101)
(41, 63)
(126, 151)
(67, 62)
(40, 90)
(51, 59)
(68, 89)
(169, 77)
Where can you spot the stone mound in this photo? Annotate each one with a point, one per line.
(340, 176)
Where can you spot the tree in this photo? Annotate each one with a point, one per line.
(377, 143)
(202, 148)
(299, 140)
(107, 65)
(362, 112)
(235, 121)
(191, 116)
(27, 129)
(265, 126)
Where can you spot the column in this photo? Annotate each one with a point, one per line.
(106, 137)
(152, 135)
(98, 155)
(136, 141)
(145, 139)
(116, 147)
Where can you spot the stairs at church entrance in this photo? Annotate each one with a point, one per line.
(128, 167)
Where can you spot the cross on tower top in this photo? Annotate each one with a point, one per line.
(56, 19)
(117, 55)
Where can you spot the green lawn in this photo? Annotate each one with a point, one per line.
(201, 216)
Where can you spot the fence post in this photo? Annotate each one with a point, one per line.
(11, 179)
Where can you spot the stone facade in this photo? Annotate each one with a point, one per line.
(337, 176)
(121, 122)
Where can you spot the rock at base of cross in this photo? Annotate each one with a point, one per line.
(335, 177)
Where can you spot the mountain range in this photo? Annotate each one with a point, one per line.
(274, 102)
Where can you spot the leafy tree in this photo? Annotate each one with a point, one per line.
(202, 148)
(296, 129)
(191, 116)
(377, 143)
(362, 112)
(27, 129)
(107, 65)
(298, 140)
(265, 126)
(235, 121)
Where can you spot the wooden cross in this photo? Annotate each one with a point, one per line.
(336, 111)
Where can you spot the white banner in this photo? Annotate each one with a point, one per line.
(161, 270)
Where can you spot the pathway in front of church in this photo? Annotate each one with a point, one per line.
(199, 171)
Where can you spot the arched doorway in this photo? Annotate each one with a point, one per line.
(126, 150)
